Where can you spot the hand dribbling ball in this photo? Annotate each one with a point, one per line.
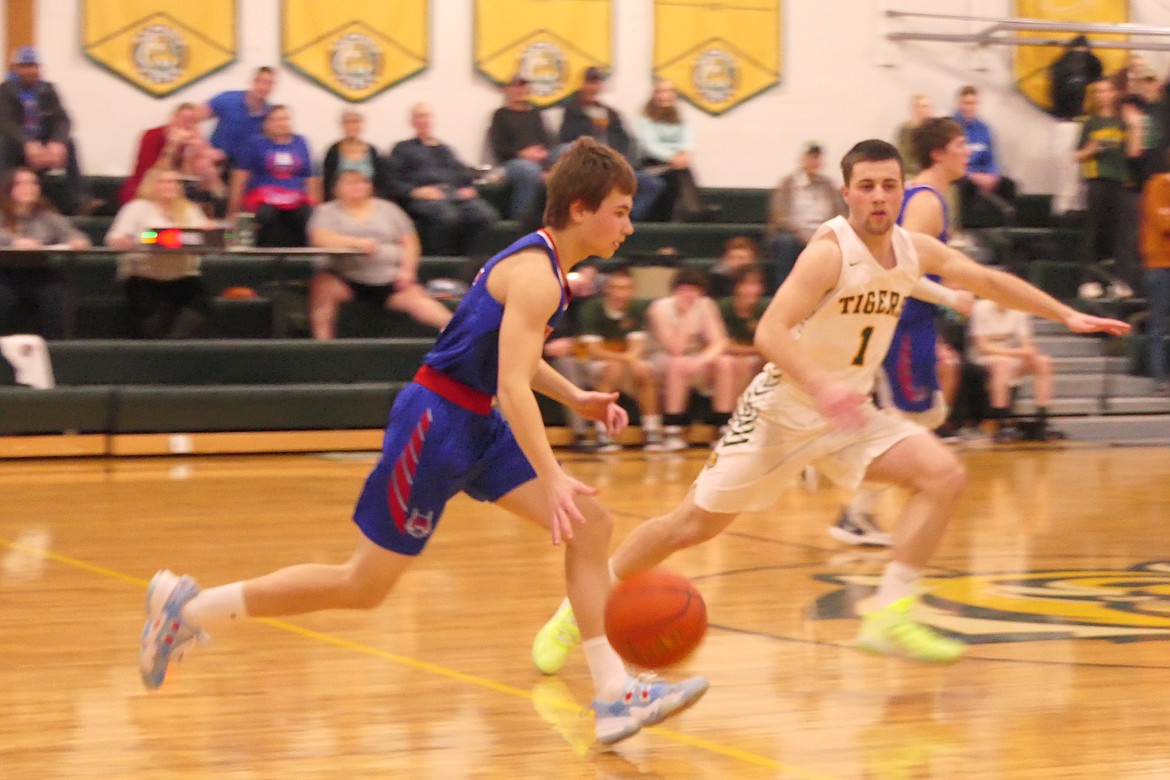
(655, 619)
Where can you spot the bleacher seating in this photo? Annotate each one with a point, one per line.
(244, 379)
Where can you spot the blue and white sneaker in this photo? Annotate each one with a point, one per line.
(165, 635)
(646, 702)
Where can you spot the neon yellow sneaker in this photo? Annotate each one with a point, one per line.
(555, 640)
(892, 630)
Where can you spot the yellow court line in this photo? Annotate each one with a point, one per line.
(440, 671)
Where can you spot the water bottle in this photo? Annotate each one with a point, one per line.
(245, 232)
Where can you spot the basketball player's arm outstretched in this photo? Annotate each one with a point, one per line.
(812, 278)
(1005, 289)
(529, 293)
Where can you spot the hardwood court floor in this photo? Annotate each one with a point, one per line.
(1057, 568)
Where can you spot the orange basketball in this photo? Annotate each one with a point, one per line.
(655, 619)
(238, 293)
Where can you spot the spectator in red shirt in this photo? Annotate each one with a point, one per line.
(177, 146)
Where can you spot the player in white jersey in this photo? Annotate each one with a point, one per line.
(825, 334)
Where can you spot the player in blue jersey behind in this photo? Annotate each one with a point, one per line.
(909, 382)
(444, 436)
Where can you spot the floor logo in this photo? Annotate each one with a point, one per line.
(1122, 605)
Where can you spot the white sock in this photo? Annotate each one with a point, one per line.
(216, 606)
(605, 667)
(899, 580)
(651, 422)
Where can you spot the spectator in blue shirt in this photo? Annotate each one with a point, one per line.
(239, 114)
(987, 197)
(35, 132)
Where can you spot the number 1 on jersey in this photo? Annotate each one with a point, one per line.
(859, 358)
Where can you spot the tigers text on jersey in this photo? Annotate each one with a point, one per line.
(850, 330)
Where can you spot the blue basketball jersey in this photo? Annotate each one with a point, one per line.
(911, 365)
(468, 349)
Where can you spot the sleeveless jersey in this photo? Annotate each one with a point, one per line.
(911, 365)
(850, 330)
(468, 349)
(916, 310)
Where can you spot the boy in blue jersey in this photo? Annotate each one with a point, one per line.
(445, 437)
(910, 380)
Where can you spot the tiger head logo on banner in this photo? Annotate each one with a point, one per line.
(159, 46)
(549, 42)
(719, 55)
(1032, 67)
(357, 48)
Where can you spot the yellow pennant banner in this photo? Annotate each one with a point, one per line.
(1032, 63)
(355, 48)
(159, 46)
(551, 42)
(718, 54)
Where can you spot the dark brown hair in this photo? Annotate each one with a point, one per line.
(933, 135)
(8, 205)
(689, 276)
(741, 242)
(872, 150)
(588, 172)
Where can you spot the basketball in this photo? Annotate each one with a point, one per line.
(655, 619)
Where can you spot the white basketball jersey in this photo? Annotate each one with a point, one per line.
(851, 329)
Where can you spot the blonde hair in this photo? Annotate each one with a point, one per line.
(179, 210)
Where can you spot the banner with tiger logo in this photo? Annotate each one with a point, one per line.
(1032, 67)
(356, 48)
(159, 46)
(550, 42)
(719, 55)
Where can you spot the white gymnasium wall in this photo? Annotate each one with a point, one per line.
(842, 82)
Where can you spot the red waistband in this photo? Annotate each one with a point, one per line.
(453, 390)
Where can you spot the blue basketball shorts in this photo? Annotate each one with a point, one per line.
(433, 449)
(911, 366)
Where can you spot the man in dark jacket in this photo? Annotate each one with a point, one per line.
(522, 144)
(587, 115)
(34, 132)
(435, 188)
(1071, 74)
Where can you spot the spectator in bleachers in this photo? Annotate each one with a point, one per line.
(987, 198)
(164, 291)
(802, 202)
(384, 273)
(689, 350)
(352, 151)
(1155, 245)
(613, 332)
(1147, 98)
(29, 222)
(921, 109)
(427, 177)
(1001, 342)
(1107, 144)
(521, 143)
(239, 115)
(738, 252)
(667, 148)
(1125, 81)
(178, 146)
(587, 115)
(274, 179)
(1070, 76)
(35, 132)
(741, 312)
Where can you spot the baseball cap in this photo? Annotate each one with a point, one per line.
(25, 55)
(517, 80)
(595, 74)
(811, 147)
